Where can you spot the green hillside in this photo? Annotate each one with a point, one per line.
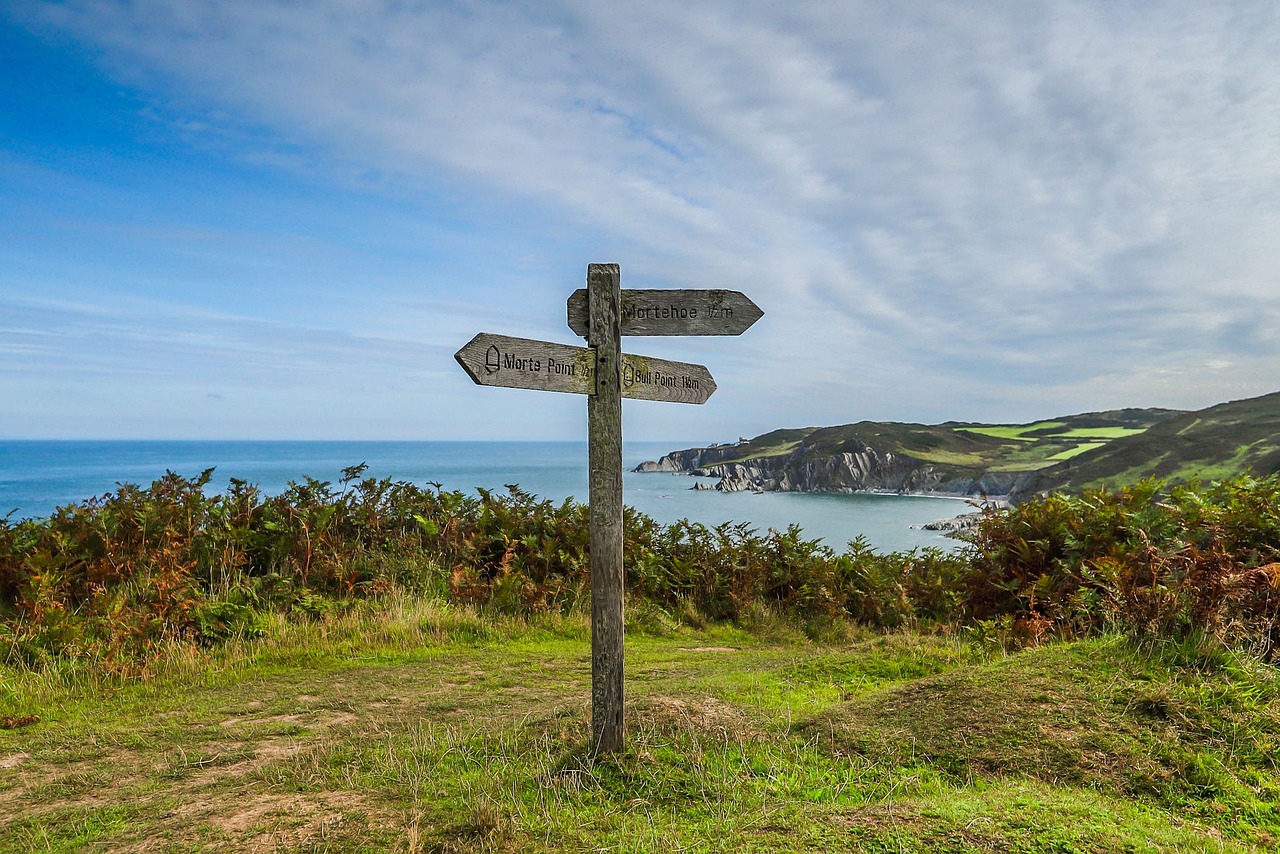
(1045, 444)
(968, 448)
(1115, 448)
(1209, 444)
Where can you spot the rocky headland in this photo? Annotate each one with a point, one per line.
(858, 469)
(1011, 462)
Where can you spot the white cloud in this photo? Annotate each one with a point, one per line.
(970, 203)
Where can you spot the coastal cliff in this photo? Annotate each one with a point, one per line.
(1014, 462)
(1011, 462)
(860, 469)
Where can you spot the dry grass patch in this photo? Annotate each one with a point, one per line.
(699, 716)
(273, 822)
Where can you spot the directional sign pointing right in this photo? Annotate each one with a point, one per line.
(500, 360)
(674, 312)
(602, 313)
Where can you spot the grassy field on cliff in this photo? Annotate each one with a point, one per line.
(1112, 450)
(1209, 444)
(966, 447)
(412, 725)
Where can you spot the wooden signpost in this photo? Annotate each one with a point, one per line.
(603, 313)
(526, 363)
(692, 312)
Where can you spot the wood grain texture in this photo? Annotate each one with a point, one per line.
(673, 312)
(604, 436)
(647, 378)
(501, 360)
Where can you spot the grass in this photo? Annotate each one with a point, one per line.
(952, 458)
(1209, 444)
(1101, 432)
(416, 726)
(1224, 468)
(780, 449)
(1046, 442)
(1050, 430)
(1017, 432)
(1014, 466)
(1170, 467)
(1083, 447)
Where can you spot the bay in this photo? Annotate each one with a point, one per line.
(38, 476)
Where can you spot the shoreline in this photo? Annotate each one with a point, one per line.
(1000, 501)
(947, 526)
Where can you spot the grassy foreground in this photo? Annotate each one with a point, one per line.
(411, 725)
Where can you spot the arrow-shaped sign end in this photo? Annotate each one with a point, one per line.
(471, 358)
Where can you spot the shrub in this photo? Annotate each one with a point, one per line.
(116, 576)
(1194, 558)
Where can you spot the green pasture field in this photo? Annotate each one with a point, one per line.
(778, 450)
(1083, 447)
(952, 458)
(411, 725)
(1020, 432)
(1013, 431)
(1101, 432)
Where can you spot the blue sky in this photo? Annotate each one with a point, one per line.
(243, 219)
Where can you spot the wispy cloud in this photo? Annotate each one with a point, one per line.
(158, 343)
(1013, 208)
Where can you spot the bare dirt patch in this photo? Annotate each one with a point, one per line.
(13, 760)
(277, 750)
(272, 719)
(42, 789)
(271, 822)
(875, 817)
(315, 720)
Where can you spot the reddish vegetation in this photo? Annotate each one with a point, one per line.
(114, 576)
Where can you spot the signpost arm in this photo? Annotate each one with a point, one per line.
(602, 372)
(604, 438)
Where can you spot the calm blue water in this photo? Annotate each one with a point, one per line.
(36, 477)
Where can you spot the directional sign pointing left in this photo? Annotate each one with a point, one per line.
(603, 313)
(500, 360)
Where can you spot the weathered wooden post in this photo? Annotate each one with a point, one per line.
(602, 313)
(604, 443)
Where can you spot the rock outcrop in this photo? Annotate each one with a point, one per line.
(690, 460)
(955, 525)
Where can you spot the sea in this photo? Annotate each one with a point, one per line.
(36, 477)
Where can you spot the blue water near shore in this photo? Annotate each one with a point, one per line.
(37, 476)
